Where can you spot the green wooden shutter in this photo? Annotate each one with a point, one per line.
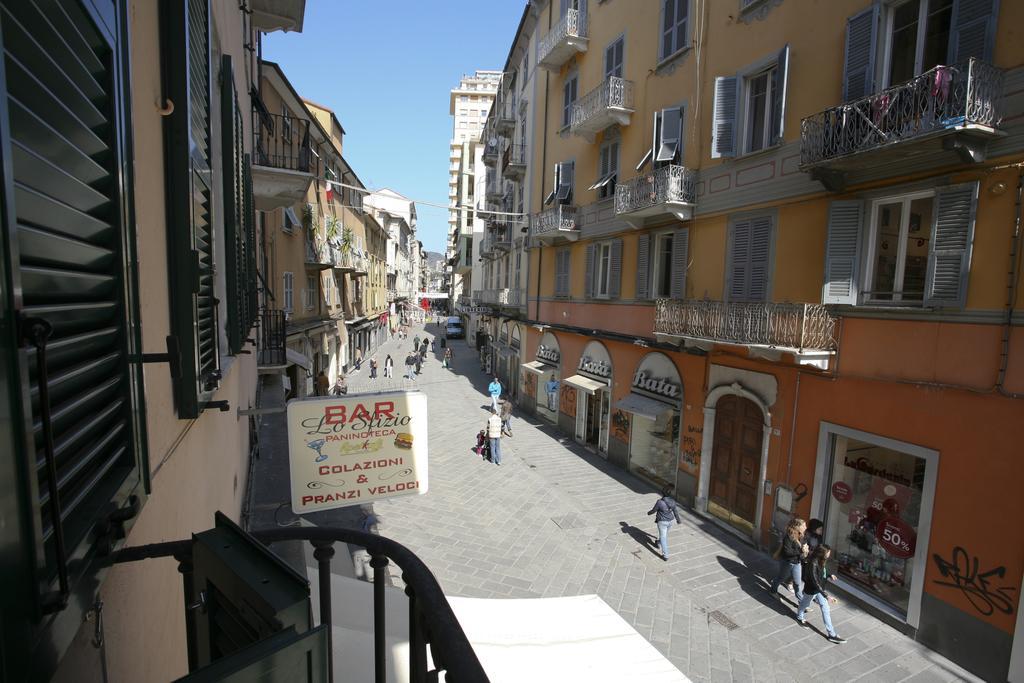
(68, 250)
(842, 252)
(193, 299)
(249, 218)
(643, 265)
(680, 258)
(949, 252)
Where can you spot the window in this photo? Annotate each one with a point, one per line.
(673, 26)
(525, 69)
(750, 107)
(569, 98)
(613, 58)
(607, 171)
(667, 139)
(289, 220)
(662, 265)
(750, 245)
(603, 273)
(289, 287)
(519, 266)
(899, 249)
(604, 267)
(917, 38)
(564, 179)
(464, 98)
(562, 259)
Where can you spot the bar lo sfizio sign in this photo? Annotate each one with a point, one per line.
(355, 449)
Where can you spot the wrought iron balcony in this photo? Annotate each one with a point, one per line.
(478, 297)
(505, 114)
(491, 149)
(513, 165)
(606, 105)
(568, 37)
(781, 326)
(501, 235)
(948, 109)
(227, 633)
(494, 297)
(465, 300)
(271, 349)
(342, 259)
(494, 191)
(516, 297)
(318, 255)
(284, 159)
(557, 222)
(666, 190)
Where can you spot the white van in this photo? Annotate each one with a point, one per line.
(453, 328)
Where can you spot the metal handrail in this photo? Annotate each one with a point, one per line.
(573, 24)
(286, 144)
(941, 98)
(561, 218)
(779, 325)
(666, 184)
(431, 618)
(272, 338)
(614, 92)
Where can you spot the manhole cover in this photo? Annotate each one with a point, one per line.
(725, 621)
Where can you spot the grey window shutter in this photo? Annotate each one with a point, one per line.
(842, 252)
(615, 277)
(973, 30)
(680, 257)
(859, 62)
(643, 267)
(738, 270)
(723, 132)
(671, 134)
(949, 253)
(760, 258)
(588, 273)
(781, 78)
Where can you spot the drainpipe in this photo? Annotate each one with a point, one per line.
(1013, 280)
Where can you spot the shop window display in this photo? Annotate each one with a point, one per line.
(874, 510)
(653, 447)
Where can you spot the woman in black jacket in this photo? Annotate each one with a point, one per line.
(790, 554)
(815, 575)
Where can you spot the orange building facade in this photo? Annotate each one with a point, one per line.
(777, 269)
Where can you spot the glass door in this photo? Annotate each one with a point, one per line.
(606, 405)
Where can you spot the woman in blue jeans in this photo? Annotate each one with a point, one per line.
(815, 575)
(667, 510)
(790, 554)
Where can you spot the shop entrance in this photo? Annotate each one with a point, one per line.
(592, 419)
(736, 462)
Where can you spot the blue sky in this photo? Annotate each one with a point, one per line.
(386, 69)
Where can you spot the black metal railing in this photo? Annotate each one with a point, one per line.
(284, 142)
(272, 338)
(431, 619)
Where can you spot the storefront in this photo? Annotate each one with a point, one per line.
(512, 360)
(541, 379)
(654, 425)
(875, 496)
(592, 401)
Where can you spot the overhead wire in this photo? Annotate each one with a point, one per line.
(417, 202)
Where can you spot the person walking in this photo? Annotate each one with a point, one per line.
(359, 357)
(373, 367)
(506, 417)
(410, 366)
(423, 348)
(418, 360)
(323, 384)
(667, 513)
(494, 436)
(815, 534)
(416, 342)
(340, 386)
(389, 366)
(494, 389)
(790, 554)
(815, 576)
(449, 356)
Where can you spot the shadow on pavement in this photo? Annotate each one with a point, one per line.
(754, 584)
(649, 541)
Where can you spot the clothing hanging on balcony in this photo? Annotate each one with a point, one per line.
(940, 85)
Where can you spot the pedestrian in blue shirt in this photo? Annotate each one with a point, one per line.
(494, 389)
(667, 512)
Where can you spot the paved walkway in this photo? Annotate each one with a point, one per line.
(555, 520)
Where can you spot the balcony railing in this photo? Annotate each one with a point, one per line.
(493, 189)
(478, 297)
(558, 221)
(505, 114)
(513, 163)
(776, 325)
(318, 254)
(271, 349)
(568, 37)
(516, 297)
(284, 143)
(431, 619)
(465, 300)
(501, 235)
(608, 104)
(495, 297)
(946, 98)
(669, 189)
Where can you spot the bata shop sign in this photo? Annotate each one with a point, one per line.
(354, 449)
(595, 361)
(548, 355)
(657, 377)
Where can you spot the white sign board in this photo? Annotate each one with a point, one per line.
(354, 449)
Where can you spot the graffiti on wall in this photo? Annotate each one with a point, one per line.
(961, 571)
(620, 425)
(530, 384)
(689, 459)
(568, 405)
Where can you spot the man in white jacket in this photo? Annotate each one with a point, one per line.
(494, 436)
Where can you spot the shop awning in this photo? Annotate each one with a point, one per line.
(536, 366)
(643, 406)
(297, 358)
(585, 383)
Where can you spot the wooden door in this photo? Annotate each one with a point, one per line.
(736, 457)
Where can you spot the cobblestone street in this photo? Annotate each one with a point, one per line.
(556, 520)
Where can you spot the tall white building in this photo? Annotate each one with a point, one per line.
(469, 106)
(397, 215)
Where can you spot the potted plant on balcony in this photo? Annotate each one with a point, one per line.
(307, 217)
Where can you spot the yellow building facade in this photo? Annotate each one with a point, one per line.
(768, 267)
